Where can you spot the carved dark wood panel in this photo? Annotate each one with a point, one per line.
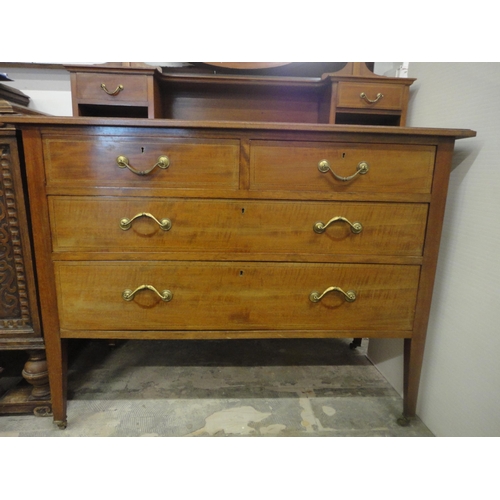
(14, 303)
(19, 320)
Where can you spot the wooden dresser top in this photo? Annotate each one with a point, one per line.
(235, 125)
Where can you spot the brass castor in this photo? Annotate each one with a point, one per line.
(62, 424)
(403, 421)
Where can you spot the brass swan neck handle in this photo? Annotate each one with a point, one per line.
(165, 295)
(349, 296)
(123, 162)
(361, 169)
(126, 223)
(320, 227)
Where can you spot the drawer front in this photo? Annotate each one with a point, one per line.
(370, 96)
(294, 166)
(234, 296)
(97, 224)
(93, 162)
(119, 89)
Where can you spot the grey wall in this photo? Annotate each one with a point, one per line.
(460, 385)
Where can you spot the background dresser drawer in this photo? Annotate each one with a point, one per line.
(370, 95)
(123, 89)
(124, 225)
(234, 296)
(93, 162)
(293, 166)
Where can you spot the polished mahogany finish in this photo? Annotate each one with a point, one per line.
(261, 240)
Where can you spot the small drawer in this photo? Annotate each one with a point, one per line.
(370, 96)
(163, 296)
(317, 166)
(120, 161)
(315, 230)
(111, 88)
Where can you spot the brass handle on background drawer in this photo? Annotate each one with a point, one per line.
(123, 162)
(115, 92)
(126, 224)
(349, 296)
(166, 295)
(361, 169)
(319, 227)
(371, 101)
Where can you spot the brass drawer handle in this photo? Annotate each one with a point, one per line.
(371, 101)
(361, 169)
(123, 162)
(319, 227)
(126, 224)
(165, 295)
(115, 92)
(349, 296)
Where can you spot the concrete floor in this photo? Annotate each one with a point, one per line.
(223, 388)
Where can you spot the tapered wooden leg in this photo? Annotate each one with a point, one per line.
(416, 356)
(355, 343)
(55, 347)
(404, 420)
(414, 347)
(58, 375)
(413, 357)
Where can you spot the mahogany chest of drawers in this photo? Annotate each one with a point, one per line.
(159, 229)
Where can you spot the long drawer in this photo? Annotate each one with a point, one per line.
(234, 296)
(310, 166)
(109, 161)
(121, 224)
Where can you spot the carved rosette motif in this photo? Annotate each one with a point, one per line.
(14, 306)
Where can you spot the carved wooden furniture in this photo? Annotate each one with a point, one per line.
(352, 95)
(19, 318)
(165, 229)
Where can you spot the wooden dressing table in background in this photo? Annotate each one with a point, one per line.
(232, 207)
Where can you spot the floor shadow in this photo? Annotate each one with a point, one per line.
(261, 352)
